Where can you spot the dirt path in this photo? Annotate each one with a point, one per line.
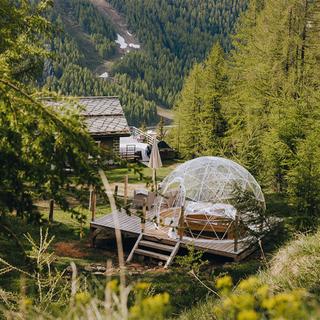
(167, 114)
(126, 40)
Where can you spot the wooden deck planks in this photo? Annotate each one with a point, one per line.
(132, 225)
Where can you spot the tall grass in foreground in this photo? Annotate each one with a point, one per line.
(296, 265)
(47, 293)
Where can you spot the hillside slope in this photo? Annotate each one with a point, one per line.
(141, 50)
(91, 56)
(175, 34)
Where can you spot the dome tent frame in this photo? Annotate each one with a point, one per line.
(214, 193)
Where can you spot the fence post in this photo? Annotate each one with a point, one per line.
(144, 215)
(93, 204)
(116, 191)
(90, 196)
(125, 190)
(51, 209)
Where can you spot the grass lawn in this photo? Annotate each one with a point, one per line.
(116, 175)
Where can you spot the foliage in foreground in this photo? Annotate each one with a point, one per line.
(253, 300)
(287, 289)
(48, 293)
(38, 144)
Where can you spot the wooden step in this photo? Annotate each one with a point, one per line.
(155, 245)
(173, 254)
(134, 248)
(152, 254)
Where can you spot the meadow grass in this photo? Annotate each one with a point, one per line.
(296, 265)
(116, 175)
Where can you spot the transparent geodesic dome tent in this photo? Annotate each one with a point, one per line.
(210, 190)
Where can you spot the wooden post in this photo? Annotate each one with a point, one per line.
(90, 197)
(236, 233)
(181, 223)
(144, 215)
(51, 209)
(93, 204)
(154, 180)
(126, 190)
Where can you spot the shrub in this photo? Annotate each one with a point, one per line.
(192, 261)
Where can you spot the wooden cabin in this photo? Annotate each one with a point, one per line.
(104, 118)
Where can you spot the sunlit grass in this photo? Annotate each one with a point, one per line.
(117, 175)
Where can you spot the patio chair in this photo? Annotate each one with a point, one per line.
(140, 196)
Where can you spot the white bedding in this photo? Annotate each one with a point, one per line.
(216, 209)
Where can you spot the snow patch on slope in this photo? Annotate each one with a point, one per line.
(120, 40)
(124, 45)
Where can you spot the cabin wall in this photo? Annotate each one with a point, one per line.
(111, 144)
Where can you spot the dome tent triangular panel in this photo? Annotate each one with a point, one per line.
(210, 186)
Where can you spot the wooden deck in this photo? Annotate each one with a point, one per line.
(131, 225)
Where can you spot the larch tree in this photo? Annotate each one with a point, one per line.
(269, 78)
(211, 119)
(199, 115)
(304, 183)
(187, 112)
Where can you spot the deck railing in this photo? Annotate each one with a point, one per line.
(136, 132)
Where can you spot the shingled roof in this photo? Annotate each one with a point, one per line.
(103, 116)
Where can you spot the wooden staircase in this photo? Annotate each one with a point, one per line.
(153, 248)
